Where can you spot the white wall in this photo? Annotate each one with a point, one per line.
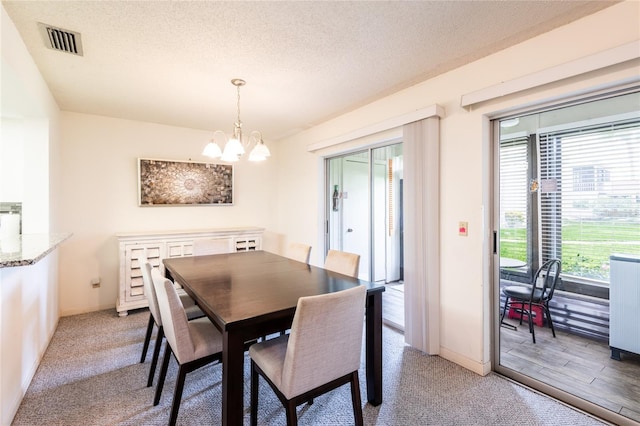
(465, 321)
(29, 316)
(11, 147)
(28, 295)
(38, 138)
(99, 198)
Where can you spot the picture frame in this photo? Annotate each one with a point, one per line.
(184, 183)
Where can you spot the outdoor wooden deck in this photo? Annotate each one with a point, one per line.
(574, 364)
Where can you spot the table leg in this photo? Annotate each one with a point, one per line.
(232, 378)
(374, 348)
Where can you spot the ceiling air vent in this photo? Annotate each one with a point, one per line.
(61, 40)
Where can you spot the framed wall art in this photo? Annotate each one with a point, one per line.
(173, 183)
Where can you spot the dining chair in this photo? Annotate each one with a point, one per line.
(342, 262)
(155, 318)
(299, 252)
(194, 343)
(211, 246)
(321, 354)
(526, 298)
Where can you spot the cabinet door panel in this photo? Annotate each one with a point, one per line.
(205, 246)
(134, 287)
(179, 249)
(247, 243)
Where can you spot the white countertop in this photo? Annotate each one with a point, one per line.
(28, 249)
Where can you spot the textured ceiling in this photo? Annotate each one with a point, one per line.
(171, 62)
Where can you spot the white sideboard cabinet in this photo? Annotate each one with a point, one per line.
(157, 246)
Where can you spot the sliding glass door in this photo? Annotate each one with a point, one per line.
(364, 215)
(568, 185)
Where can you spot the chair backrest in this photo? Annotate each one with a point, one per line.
(325, 341)
(211, 246)
(546, 279)
(149, 290)
(175, 323)
(299, 252)
(342, 262)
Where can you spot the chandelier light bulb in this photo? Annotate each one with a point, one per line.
(212, 150)
(260, 152)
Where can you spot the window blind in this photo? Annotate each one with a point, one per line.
(514, 183)
(589, 192)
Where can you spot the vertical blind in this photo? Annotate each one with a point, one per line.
(589, 192)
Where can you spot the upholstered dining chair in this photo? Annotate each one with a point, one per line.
(156, 319)
(342, 262)
(525, 298)
(194, 343)
(322, 353)
(299, 252)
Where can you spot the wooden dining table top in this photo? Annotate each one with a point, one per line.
(236, 289)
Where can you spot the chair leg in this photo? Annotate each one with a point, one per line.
(254, 395)
(156, 355)
(548, 313)
(147, 339)
(163, 373)
(522, 313)
(504, 311)
(531, 329)
(292, 416)
(355, 399)
(177, 395)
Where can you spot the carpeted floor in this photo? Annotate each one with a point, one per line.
(91, 375)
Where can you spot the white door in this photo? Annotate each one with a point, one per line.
(355, 207)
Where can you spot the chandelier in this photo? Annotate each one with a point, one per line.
(234, 147)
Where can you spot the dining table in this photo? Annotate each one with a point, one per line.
(251, 294)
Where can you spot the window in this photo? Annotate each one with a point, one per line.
(589, 193)
(570, 189)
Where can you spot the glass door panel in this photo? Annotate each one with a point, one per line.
(387, 213)
(348, 217)
(569, 188)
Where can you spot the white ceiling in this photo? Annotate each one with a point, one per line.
(171, 62)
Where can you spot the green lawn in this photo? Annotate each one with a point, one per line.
(586, 246)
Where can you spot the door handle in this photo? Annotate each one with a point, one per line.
(349, 230)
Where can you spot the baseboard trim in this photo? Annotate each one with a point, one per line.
(479, 368)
